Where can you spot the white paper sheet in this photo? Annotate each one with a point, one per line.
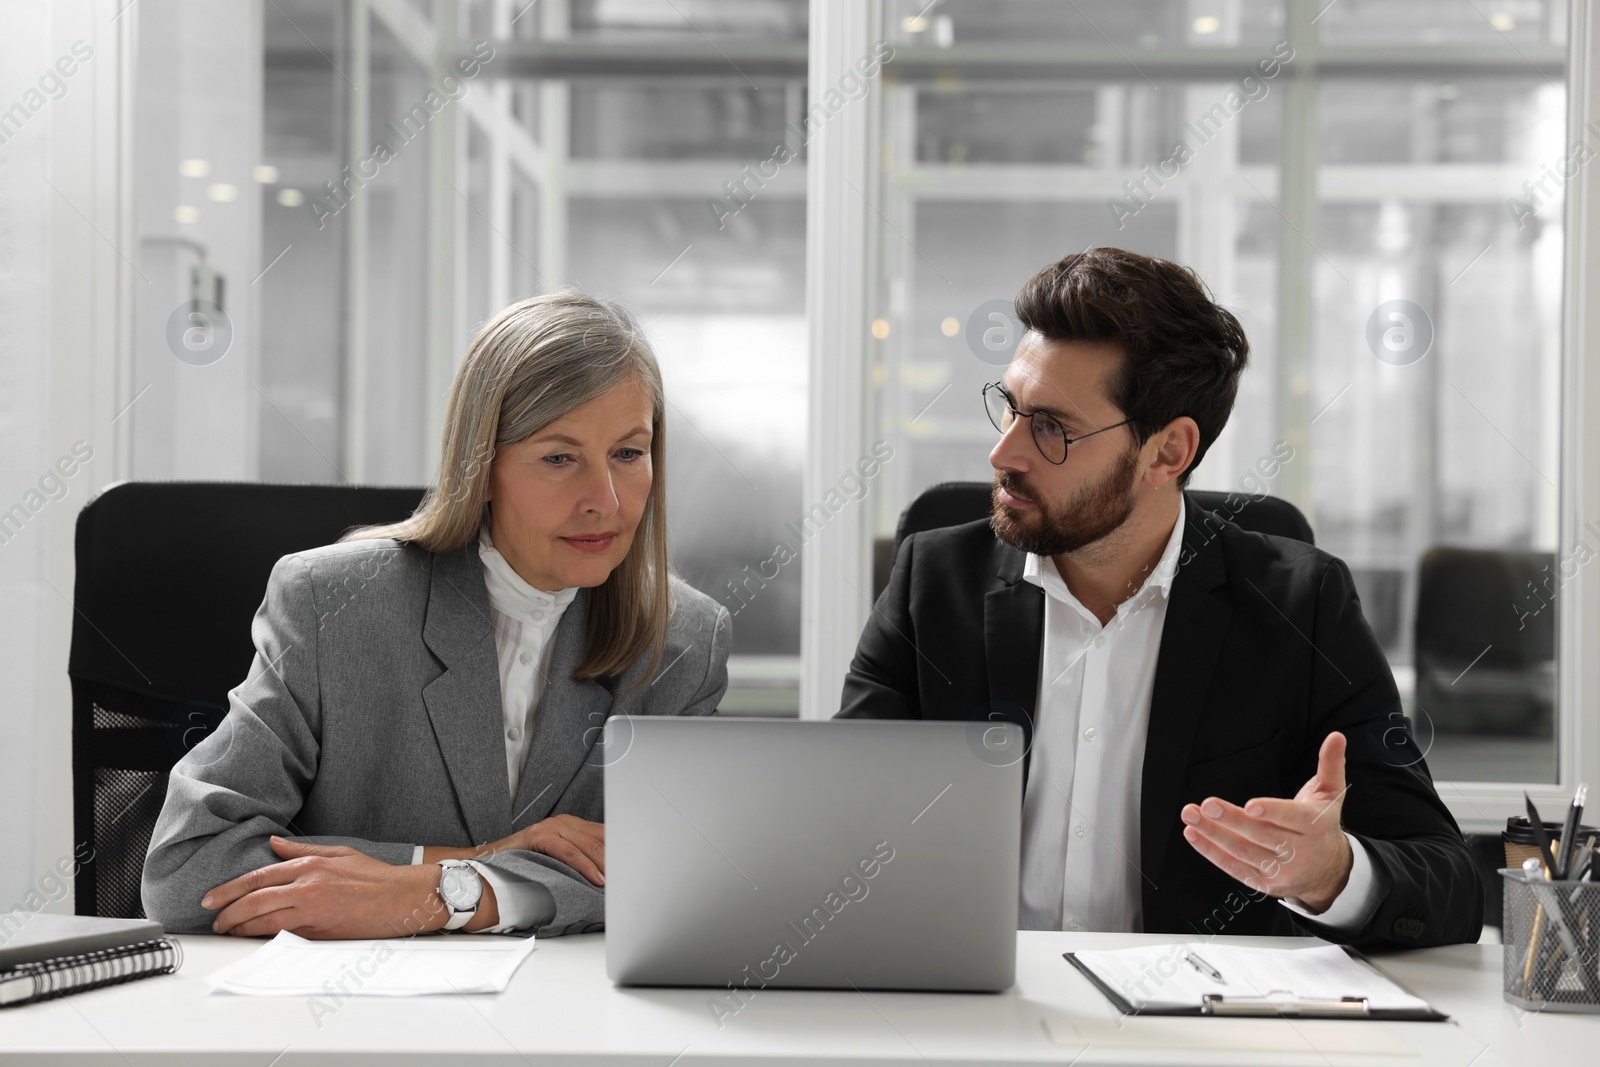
(1160, 976)
(289, 965)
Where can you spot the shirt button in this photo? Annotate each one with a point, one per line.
(1088, 734)
(1098, 641)
(1081, 830)
(524, 659)
(513, 734)
(538, 615)
(1074, 925)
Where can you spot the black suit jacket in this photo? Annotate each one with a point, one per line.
(1263, 654)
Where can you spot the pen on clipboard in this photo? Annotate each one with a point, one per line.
(1204, 968)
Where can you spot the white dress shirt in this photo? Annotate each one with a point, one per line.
(524, 619)
(1080, 811)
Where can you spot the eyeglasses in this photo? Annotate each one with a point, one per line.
(1049, 436)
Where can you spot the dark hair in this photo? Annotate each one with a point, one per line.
(1182, 354)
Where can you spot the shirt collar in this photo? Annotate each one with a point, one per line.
(1041, 570)
(510, 595)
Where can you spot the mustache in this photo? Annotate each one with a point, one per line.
(1008, 481)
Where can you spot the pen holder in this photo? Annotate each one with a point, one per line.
(1521, 843)
(1552, 944)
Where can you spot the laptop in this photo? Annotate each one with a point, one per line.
(745, 854)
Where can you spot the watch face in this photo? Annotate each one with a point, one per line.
(460, 887)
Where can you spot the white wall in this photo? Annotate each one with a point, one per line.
(24, 440)
(58, 386)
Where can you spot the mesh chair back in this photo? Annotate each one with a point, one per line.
(169, 577)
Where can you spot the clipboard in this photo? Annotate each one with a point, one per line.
(1286, 1005)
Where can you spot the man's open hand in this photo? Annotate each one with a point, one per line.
(1293, 849)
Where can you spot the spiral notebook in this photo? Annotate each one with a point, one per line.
(44, 955)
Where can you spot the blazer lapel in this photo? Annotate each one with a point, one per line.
(1013, 636)
(464, 702)
(1191, 641)
(567, 725)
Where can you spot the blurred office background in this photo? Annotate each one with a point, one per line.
(601, 178)
(594, 144)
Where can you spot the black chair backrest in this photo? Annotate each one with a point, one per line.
(169, 577)
(954, 503)
(1258, 514)
(1486, 607)
(1491, 610)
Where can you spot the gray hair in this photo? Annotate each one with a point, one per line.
(527, 367)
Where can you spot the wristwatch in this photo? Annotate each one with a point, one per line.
(461, 889)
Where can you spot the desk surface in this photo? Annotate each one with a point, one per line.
(561, 1007)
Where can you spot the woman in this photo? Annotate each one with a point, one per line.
(415, 747)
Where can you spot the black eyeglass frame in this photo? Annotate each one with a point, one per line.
(1034, 418)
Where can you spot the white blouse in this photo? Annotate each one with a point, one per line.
(524, 619)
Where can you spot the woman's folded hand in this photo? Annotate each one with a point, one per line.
(578, 843)
(328, 891)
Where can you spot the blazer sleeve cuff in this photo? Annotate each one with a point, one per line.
(391, 852)
(1355, 905)
(522, 903)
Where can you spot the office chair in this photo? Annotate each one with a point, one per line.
(169, 577)
(1475, 608)
(954, 503)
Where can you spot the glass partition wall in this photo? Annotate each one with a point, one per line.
(328, 198)
(1370, 188)
(331, 197)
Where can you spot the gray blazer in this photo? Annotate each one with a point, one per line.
(371, 717)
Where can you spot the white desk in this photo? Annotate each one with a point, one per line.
(562, 1009)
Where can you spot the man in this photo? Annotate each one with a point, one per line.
(1177, 677)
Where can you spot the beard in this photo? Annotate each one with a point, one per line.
(1092, 513)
